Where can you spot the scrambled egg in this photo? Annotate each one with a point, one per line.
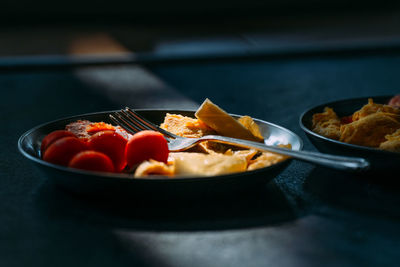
(209, 158)
(374, 125)
(327, 124)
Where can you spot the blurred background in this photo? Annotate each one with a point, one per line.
(165, 29)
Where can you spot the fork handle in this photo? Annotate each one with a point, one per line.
(332, 161)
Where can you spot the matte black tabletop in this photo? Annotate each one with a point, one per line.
(306, 216)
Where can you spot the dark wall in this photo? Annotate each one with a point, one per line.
(148, 10)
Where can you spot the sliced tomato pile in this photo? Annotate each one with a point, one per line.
(106, 150)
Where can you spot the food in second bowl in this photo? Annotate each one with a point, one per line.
(374, 125)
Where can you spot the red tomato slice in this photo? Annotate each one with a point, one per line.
(146, 145)
(112, 144)
(62, 150)
(346, 120)
(52, 137)
(395, 101)
(95, 127)
(92, 161)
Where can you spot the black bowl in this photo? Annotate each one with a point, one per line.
(118, 184)
(381, 161)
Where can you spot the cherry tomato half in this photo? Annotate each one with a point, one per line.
(62, 150)
(146, 145)
(52, 137)
(395, 101)
(112, 144)
(92, 161)
(346, 120)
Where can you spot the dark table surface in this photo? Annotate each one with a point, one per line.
(306, 216)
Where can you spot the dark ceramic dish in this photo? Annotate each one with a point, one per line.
(113, 184)
(381, 161)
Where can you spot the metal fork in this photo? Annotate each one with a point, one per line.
(132, 122)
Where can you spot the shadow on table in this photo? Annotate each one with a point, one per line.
(371, 194)
(261, 207)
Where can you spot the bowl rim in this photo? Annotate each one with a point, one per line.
(126, 176)
(343, 144)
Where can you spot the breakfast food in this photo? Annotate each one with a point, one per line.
(374, 125)
(92, 161)
(146, 145)
(327, 123)
(63, 150)
(111, 144)
(52, 137)
(224, 124)
(99, 146)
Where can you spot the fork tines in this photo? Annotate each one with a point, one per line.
(121, 121)
(133, 122)
(138, 120)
